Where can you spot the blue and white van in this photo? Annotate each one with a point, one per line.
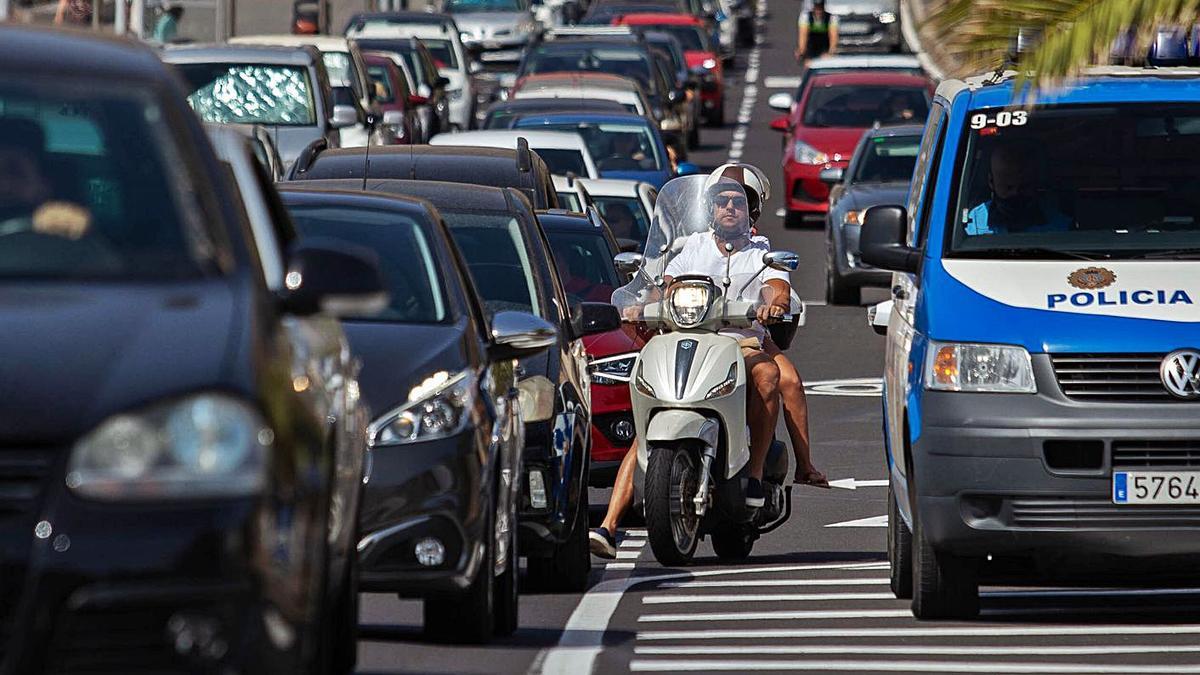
(1042, 384)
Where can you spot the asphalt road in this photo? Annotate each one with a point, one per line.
(813, 596)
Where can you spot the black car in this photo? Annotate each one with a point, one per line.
(498, 167)
(174, 494)
(430, 94)
(510, 260)
(503, 114)
(440, 510)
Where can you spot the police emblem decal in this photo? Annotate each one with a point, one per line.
(1091, 278)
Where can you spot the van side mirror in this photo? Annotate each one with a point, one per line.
(882, 240)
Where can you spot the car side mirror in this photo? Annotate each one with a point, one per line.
(784, 261)
(781, 123)
(424, 90)
(593, 318)
(832, 175)
(519, 334)
(882, 240)
(628, 262)
(343, 116)
(627, 245)
(687, 169)
(781, 101)
(393, 118)
(331, 276)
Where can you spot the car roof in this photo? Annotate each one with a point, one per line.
(227, 53)
(583, 117)
(562, 220)
(1097, 84)
(897, 79)
(574, 78)
(438, 194)
(610, 187)
(619, 95)
(507, 138)
(673, 18)
(884, 61)
(407, 42)
(351, 192)
(28, 49)
(398, 17)
(579, 43)
(554, 104)
(455, 164)
(325, 43)
(889, 131)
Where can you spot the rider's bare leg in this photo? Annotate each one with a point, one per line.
(762, 411)
(622, 494)
(795, 415)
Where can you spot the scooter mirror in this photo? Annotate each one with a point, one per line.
(784, 261)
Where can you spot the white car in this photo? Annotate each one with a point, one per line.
(563, 151)
(441, 36)
(632, 100)
(572, 196)
(626, 206)
(346, 68)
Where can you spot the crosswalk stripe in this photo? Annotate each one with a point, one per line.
(920, 650)
(620, 566)
(865, 581)
(797, 615)
(764, 597)
(633, 543)
(628, 555)
(920, 631)
(641, 665)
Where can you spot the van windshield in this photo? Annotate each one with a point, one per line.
(1117, 181)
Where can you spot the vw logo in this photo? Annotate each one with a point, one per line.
(1180, 372)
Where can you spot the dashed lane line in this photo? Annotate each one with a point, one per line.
(781, 81)
(867, 666)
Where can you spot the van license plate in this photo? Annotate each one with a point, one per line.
(1156, 487)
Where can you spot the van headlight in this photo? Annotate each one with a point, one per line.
(438, 407)
(203, 446)
(688, 303)
(612, 369)
(955, 366)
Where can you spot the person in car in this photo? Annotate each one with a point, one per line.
(1015, 205)
(620, 221)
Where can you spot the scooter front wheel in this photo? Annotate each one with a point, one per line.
(672, 525)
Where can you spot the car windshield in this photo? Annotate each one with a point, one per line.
(691, 37)
(465, 6)
(1116, 180)
(338, 66)
(563, 161)
(614, 146)
(227, 93)
(625, 217)
(92, 186)
(442, 52)
(860, 106)
(495, 251)
(887, 159)
(584, 265)
(402, 252)
(631, 63)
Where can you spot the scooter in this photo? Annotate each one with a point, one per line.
(689, 406)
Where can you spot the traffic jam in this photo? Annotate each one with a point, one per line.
(598, 336)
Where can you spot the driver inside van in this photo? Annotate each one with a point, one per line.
(1015, 206)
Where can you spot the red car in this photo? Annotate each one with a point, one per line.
(825, 125)
(583, 252)
(399, 113)
(701, 56)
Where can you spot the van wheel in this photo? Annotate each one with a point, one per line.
(671, 522)
(568, 567)
(899, 541)
(732, 543)
(467, 617)
(944, 586)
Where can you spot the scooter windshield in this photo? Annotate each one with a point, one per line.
(696, 210)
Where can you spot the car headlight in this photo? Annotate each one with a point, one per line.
(709, 63)
(203, 446)
(643, 386)
(806, 154)
(438, 407)
(612, 369)
(953, 366)
(688, 303)
(853, 218)
(887, 17)
(725, 388)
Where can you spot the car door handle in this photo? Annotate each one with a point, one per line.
(899, 293)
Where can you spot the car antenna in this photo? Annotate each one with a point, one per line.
(412, 163)
(366, 164)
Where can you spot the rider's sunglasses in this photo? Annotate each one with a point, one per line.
(738, 201)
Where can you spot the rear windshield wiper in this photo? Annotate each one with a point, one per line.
(1032, 252)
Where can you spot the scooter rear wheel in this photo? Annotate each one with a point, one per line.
(671, 522)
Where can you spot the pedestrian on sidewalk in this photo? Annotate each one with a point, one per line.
(816, 33)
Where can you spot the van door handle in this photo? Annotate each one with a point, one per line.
(899, 293)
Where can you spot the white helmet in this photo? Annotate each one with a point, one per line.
(758, 187)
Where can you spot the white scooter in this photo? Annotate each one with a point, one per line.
(689, 393)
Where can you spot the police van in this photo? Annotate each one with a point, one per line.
(1042, 379)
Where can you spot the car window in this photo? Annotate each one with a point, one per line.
(923, 172)
(496, 252)
(92, 186)
(624, 216)
(442, 52)
(337, 64)
(584, 265)
(569, 201)
(615, 146)
(250, 93)
(860, 106)
(887, 159)
(379, 75)
(405, 50)
(403, 254)
(631, 63)
(563, 160)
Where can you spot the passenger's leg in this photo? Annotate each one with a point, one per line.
(795, 416)
(603, 541)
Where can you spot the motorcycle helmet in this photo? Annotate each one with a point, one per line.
(714, 186)
(758, 187)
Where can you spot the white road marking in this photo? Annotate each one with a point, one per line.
(783, 615)
(633, 543)
(781, 82)
(780, 212)
(854, 484)
(639, 533)
(763, 597)
(918, 650)
(620, 566)
(776, 582)
(1081, 592)
(919, 631)
(856, 386)
(628, 555)
(874, 521)
(901, 666)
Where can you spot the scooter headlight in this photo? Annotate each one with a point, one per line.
(689, 303)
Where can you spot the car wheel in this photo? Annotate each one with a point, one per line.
(837, 290)
(944, 586)
(507, 600)
(570, 563)
(899, 543)
(467, 617)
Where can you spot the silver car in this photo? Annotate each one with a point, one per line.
(867, 25)
(497, 30)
